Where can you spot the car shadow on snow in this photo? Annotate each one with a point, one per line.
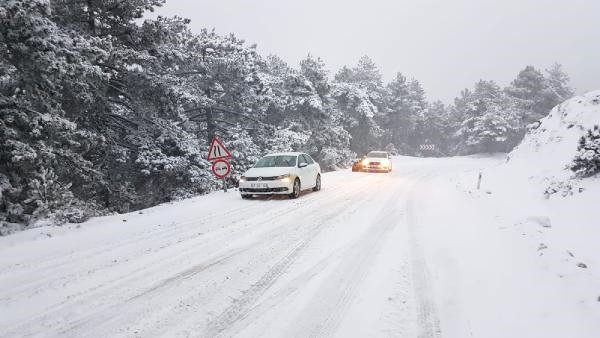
(278, 197)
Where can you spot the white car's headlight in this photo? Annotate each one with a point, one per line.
(284, 178)
(243, 179)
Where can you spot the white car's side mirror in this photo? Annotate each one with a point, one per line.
(302, 165)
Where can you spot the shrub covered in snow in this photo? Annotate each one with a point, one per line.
(587, 160)
(564, 188)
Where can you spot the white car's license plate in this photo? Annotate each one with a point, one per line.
(258, 185)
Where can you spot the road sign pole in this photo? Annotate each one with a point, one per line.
(224, 185)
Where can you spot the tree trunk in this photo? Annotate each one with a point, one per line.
(211, 127)
(91, 18)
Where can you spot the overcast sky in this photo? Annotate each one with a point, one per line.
(445, 44)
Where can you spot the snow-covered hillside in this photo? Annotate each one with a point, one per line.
(547, 242)
(550, 145)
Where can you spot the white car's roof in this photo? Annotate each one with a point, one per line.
(293, 153)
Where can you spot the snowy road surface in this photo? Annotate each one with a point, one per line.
(369, 255)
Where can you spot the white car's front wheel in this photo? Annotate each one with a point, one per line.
(296, 189)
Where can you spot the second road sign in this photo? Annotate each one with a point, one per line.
(221, 168)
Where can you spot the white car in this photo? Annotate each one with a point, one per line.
(281, 173)
(378, 161)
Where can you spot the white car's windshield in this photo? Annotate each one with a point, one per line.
(276, 161)
(377, 154)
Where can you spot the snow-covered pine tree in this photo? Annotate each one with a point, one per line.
(400, 119)
(536, 95)
(489, 120)
(528, 90)
(41, 147)
(587, 159)
(313, 69)
(360, 95)
(367, 75)
(418, 109)
(329, 142)
(434, 128)
(558, 89)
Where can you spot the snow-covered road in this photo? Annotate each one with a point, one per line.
(350, 260)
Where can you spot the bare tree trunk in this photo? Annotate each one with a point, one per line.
(211, 127)
(91, 18)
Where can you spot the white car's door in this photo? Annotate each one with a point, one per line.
(305, 173)
(315, 169)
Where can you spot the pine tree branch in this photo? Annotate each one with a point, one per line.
(228, 111)
(123, 119)
(226, 122)
(221, 110)
(120, 103)
(196, 117)
(111, 67)
(120, 91)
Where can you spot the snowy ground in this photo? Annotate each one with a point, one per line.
(419, 252)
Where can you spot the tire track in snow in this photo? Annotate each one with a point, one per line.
(258, 309)
(427, 315)
(329, 305)
(242, 306)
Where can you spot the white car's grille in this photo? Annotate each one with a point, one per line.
(261, 178)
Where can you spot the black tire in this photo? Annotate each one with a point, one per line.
(296, 189)
(246, 196)
(318, 183)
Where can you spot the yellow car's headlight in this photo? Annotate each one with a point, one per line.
(365, 162)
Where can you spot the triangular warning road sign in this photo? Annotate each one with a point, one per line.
(217, 150)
